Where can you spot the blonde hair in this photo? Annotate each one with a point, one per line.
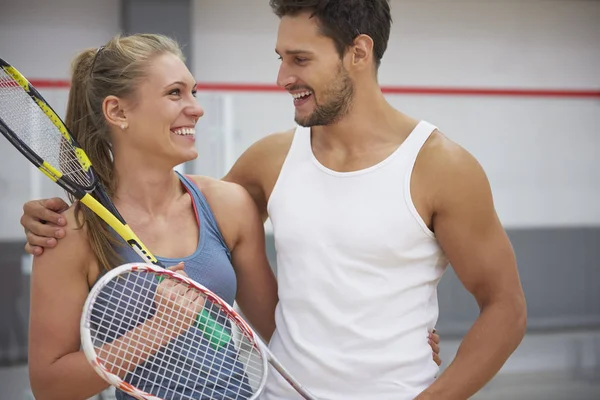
(116, 69)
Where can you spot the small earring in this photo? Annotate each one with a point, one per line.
(123, 126)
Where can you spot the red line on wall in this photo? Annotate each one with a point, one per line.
(49, 83)
(409, 90)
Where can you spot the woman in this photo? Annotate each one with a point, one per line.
(132, 108)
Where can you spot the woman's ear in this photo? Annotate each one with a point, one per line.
(114, 112)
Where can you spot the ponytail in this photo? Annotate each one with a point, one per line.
(114, 69)
(90, 132)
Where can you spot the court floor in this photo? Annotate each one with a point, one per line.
(532, 386)
(545, 367)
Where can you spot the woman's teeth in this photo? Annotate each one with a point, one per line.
(184, 131)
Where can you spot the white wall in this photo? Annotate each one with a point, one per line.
(44, 38)
(541, 154)
(46, 35)
(475, 42)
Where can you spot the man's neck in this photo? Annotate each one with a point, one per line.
(371, 121)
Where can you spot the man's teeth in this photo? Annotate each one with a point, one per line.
(300, 95)
(184, 131)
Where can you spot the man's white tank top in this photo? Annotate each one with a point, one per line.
(358, 271)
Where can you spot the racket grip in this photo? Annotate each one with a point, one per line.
(214, 332)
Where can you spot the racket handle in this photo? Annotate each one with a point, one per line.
(211, 330)
(214, 332)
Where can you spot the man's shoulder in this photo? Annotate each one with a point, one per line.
(265, 155)
(444, 156)
(449, 169)
(274, 144)
(257, 169)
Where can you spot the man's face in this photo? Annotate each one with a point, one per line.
(312, 72)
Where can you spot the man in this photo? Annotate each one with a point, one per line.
(368, 206)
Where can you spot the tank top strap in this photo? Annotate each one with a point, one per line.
(415, 141)
(203, 211)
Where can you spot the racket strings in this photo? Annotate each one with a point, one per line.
(188, 365)
(165, 359)
(32, 126)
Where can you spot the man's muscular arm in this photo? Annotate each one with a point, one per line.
(469, 231)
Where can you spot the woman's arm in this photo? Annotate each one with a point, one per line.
(59, 287)
(257, 286)
(58, 368)
(243, 230)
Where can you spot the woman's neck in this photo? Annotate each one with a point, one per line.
(151, 189)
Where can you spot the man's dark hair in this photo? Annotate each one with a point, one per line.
(344, 20)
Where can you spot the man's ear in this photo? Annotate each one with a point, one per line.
(362, 52)
(114, 112)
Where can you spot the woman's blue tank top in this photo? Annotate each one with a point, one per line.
(210, 265)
